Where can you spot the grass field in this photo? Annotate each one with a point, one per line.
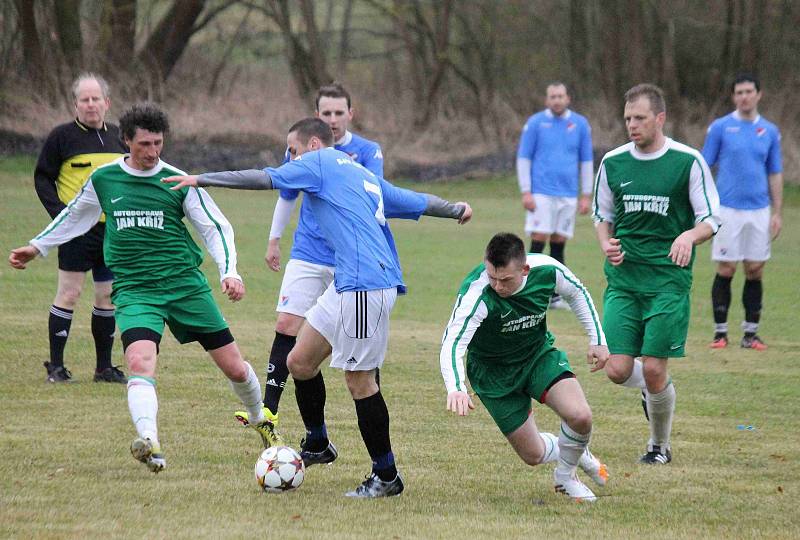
(66, 471)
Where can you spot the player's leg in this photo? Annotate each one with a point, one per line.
(70, 286)
(104, 326)
(756, 246)
(359, 347)
(660, 410)
(538, 224)
(563, 226)
(726, 252)
(141, 350)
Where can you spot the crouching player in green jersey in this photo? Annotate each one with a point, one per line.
(156, 265)
(654, 201)
(500, 319)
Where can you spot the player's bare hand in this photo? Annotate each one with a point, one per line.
(467, 215)
(273, 255)
(527, 202)
(584, 204)
(181, 181)
(775, 225)
(20, 257)
(613, 251)
(234, 288)
(460, 403)
(681, 251)
(596, 357)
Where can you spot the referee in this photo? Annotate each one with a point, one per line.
(70, 153)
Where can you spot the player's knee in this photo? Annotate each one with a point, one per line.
(726, 270)
(288, 325)
(617, 372)
(580, 420)
(67, 296)
(754, 273)
(298, 367)
(139, 363)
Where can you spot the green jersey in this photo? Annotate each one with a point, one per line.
(146, 241)
(505, 335)
(651, 199)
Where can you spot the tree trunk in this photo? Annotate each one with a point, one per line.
(68, 27)
(166, 44)
(33, 66)
(118, 39)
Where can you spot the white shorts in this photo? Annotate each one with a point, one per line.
(743, 236)
(356, 324)
(303, 282)
(552, 215)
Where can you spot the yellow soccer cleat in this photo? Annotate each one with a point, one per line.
(149, 453)
(268, 429)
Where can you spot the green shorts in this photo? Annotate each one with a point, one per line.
(511, 406)
(184, 303)
(646, 324)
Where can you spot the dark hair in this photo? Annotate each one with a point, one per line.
(745, 78)
(653, 93)
(147, 116)
(333, 90)
(557, 83)
(313, 127)
(504, 248)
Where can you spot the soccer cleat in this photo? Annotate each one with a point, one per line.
(149, 453)
(720, 341)
(268, 429)
(574, 488)
(110, 374)
(656, 456)
(328, 455)
(592, 466)
(753, 342)
(57, 374)
(373, 487)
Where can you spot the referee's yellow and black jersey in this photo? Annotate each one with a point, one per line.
(69, 155)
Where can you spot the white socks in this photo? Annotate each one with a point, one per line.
(550, 447)
(636, 380)
(660, 408)
(249, 392)
(571, 445)
(143, 405)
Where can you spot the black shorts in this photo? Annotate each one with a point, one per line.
(85, 253)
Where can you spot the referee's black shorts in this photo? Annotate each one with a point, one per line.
(85, 253)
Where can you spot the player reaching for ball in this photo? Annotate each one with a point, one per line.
(500, 319)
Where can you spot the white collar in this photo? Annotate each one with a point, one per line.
(346, 139)
(566, 114)
(136, 172)
(738, 117)
(651, 155)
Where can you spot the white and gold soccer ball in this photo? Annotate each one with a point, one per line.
(279, 469)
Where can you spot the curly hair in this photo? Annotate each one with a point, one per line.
(147, 116)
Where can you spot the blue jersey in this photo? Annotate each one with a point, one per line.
(347, 202)
(556, 145)
(746, 152)
(309, 243)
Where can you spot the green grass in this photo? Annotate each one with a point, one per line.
(66, 471)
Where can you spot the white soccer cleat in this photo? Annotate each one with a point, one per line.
(592, 466)
(570, 485)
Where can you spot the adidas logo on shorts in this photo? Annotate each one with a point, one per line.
(352, 361)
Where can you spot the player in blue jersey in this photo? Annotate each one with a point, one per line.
(747, 150)
(554, 164)
(310, 268)
(350, 321)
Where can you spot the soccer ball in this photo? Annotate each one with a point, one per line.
(279, 469)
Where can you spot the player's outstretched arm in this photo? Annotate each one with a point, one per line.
(20, 257)
(246, 179)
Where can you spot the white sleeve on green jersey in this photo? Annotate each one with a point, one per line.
(580, 301)
(217, 232)
(76, 219)
(703, 194)
(603, 206)
(468, 313)
(281, 216)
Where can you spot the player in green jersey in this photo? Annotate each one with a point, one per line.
(500, 323)
(654, 201)
(156, 267)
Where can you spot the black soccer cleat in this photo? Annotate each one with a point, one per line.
(110, 374)
(374, 487)
(328, 455)
(656, 456)
(57, 374)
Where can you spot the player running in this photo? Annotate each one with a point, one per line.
(500, 322)
(156, 267)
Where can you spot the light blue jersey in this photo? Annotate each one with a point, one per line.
(746, 152)
(556, 145)
(309, 243)
(347, 202)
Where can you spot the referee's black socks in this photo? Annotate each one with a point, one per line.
(103, 327)
(58, 326)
